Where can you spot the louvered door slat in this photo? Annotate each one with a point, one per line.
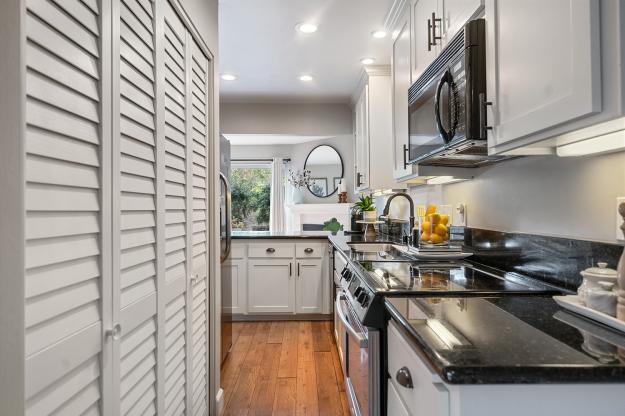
(63, 315)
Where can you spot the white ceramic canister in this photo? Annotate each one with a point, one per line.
(592, 276)
(602, 298)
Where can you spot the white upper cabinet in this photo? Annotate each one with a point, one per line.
(373, 129)
(543, 65)
(400, 64)
(433, 24)
(426, 33)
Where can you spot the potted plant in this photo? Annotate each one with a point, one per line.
(367, 207)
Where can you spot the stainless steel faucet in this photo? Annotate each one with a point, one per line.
(388, 205)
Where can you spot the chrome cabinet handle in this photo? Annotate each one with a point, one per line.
(271, 250)
(114, 333)
(308, 250)
(298, 268)
(290, 267)
(404, 378)
(358, 180)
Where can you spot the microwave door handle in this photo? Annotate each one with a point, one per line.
(362, 341)
(445, 79)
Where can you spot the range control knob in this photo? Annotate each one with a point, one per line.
(357, 292)
(363, 298)
(349, 275)
(344, 271)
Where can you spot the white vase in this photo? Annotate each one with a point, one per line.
(370, 215)
(298, 195)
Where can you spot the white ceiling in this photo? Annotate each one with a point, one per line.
(258, 42)
(270, 139)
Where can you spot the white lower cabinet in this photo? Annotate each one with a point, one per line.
(279, 277)
(309, 286)
(270, 286)
(428, 395)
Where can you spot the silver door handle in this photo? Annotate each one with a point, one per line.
(308, 250)
(114, 333)
(226, 253)
(362, 340)
(404, 378)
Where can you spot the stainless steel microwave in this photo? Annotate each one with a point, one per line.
(447, 105)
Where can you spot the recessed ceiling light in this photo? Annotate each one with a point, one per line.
(367, 61)
(228, 77)
(378, 34)
(305, 78)
(307, 27)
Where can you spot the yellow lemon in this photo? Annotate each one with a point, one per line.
(435, 218)
(436, 239)
(444, 219)
(440, 229)
(426, 227)
(425, 237)
(431, 209)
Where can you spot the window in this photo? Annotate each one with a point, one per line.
(251, 196)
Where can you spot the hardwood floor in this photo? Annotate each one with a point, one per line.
(283, 368)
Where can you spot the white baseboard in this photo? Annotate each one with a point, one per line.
(220, 401)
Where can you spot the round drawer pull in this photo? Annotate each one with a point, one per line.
(308, 250)
(271, 250)
(404, 378)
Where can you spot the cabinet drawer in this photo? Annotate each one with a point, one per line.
(271, 250)
(238, 251)
(428, 395)
(310, 250)
(395, 406)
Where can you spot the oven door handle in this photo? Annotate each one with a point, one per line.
(362, 340)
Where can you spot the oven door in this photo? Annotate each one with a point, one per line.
(362, 349)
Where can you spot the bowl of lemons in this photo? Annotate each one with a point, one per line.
(434, 225)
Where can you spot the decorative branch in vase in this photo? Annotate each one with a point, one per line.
(299, 179)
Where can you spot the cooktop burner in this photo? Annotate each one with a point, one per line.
(445, 279)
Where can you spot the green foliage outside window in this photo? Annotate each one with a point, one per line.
(251, 198)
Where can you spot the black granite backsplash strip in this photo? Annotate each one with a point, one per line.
(554, 260)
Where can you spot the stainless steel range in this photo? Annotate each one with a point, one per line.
(363, 286)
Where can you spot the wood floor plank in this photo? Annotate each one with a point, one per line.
(288, 356)
(338, 370)
(231, 367)
(321, 336)
(276, 333)
(327, 390)
(305, 342)
(284, 403)
(306, 399)
(246, 381)
(267, 378)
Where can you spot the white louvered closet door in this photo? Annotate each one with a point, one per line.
(64, 261)
(198, 132)
(134, 208)
(177, 245)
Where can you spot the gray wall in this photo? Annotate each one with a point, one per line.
(344, 144)
(564, 197)
(297, 119)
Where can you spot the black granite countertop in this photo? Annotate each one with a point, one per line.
(510, 340)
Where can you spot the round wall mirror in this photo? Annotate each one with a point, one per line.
(326, 170)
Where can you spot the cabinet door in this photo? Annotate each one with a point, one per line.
(362, 141)
(177, 234)
(536, 84)
(401, 84)
(270, 286)
(309, 286)
(234, 300)
(198, 102)
(67, 227)
(134, 207)
(421, 15)
(456, 13)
